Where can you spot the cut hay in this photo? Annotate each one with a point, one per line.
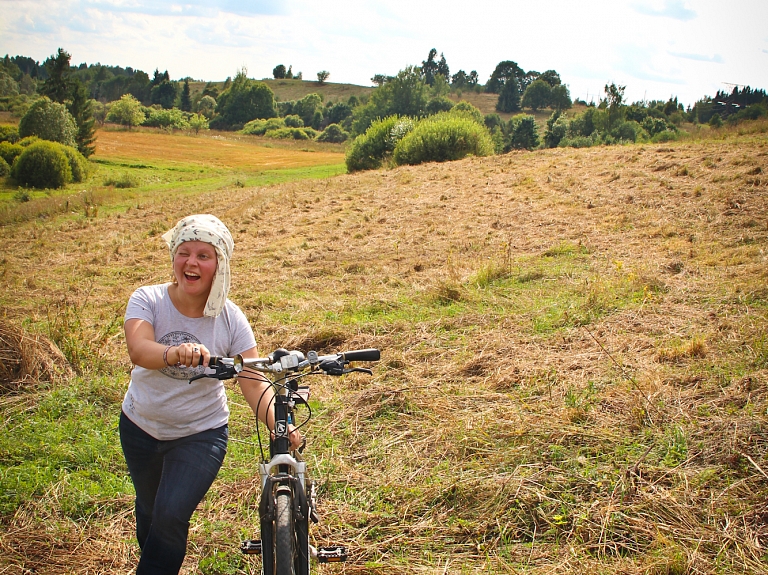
(27, 359)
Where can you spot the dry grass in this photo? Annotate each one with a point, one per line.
(575, 367)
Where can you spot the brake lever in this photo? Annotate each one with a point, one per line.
(221, 372)
(359, 369)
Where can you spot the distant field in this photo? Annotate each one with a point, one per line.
(296, 89)
(220, 151)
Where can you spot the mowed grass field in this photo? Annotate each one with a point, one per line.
(574, 373)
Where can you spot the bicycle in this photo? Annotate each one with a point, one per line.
(288, 497)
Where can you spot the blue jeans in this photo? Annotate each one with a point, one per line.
(170, 479)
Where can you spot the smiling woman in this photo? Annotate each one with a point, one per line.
(174, 433)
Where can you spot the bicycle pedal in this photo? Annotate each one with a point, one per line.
(251, 547)
(334, 554)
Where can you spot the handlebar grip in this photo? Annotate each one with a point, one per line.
(362, 355)
(212, 362)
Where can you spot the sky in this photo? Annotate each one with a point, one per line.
(656, 48)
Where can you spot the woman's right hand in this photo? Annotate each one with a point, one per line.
(189, 355)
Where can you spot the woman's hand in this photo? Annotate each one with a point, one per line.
(189, 355)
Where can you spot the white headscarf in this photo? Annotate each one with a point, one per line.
(209, 229)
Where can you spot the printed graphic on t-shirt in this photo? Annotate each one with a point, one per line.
(177, 338)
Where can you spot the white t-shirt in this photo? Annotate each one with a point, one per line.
(163, 402)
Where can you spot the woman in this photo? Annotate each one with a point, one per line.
(173, 433)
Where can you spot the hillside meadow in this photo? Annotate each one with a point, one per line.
(574, 374)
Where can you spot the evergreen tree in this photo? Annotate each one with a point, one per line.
(57, 87)
(186, 101)
(429, 67)
(81, 108)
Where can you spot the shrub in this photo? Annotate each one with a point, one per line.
(261, 127)
(369, 150)
(293, 121)
(42, 165)
(5, 169)
(169, 119)
(333, 133)
(9, 152)
(9, 134)
(77, 163)
(441, 138)
(439, 104)
(557, 128)
(665, 136)
(288, 134)
(629, 132)
(522, 133)
(126, 111)
(654, 125)
(464, 108)
(50, 121)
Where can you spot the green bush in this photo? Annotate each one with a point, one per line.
(629, 132)
(333, 133)
(439, 104)
(522, 133)
(9, 134)
(369, 150)
(293, 121)
(9, 152)
(290, 134)
(42, 165)
(28, 141)
(464, 108)
(557, 128)
(77, 163)
(443, 137)
(580, 141)
(5, 169)
(665, 136)
(50, 121)
(261, 127)
(170, 119)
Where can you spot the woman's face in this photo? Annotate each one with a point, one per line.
(194, 266)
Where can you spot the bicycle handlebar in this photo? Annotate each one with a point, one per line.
(281, 360)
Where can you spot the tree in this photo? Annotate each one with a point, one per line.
(504, 71)
(243, 101)
(406, 94)
(614, 96)
(560, 98)
(537, 95)
(49, 120)
(459, 79)
(164, 94)
(379, 79)
(522, 133)
(442, 68)
(81, 108)
(551, 77)
(429, 67)
(322, 76)
(198, 122)
(56, 87)
(126, 111)
(186, 101)
(206, 106)
(278, 72)
(509, 99)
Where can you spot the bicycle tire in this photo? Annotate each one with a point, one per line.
(284, 537)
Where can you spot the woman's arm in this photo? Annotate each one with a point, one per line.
(259, 394)
(147, 353)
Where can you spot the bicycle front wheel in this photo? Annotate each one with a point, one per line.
(284, 538)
